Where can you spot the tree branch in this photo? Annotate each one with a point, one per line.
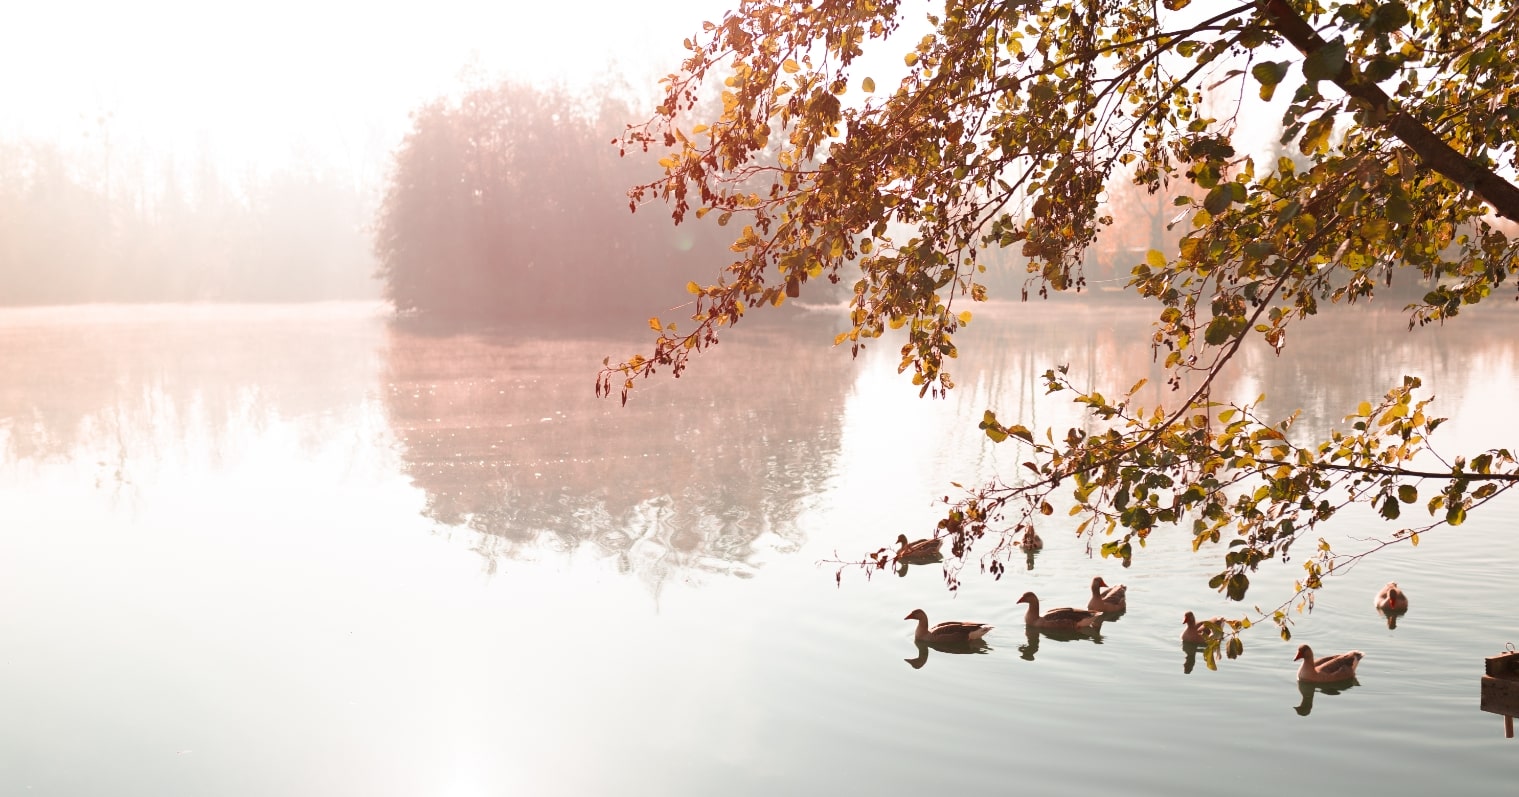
(1438, 155)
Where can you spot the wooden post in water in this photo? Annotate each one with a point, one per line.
(1500, 688)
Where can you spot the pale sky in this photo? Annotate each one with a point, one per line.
(324, 77)
(317, 81)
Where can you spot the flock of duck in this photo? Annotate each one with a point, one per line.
(1107, 599)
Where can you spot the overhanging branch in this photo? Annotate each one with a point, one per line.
(1431, 149)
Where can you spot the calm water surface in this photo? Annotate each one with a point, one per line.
(301, 551)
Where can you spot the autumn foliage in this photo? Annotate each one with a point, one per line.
(1012, 127)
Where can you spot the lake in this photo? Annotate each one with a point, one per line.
(303, 550)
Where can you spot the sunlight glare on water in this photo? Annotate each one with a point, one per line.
(275, 550)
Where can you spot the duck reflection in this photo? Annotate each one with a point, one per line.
(954, 648)
(1392, 615)
(1191, 650)
(903, 565)
(1030, 647)
(1306, 690)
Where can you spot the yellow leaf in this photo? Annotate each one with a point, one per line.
(655, 325)
(964, 316)
(791, 66)
(692, 287)
(911, 58)
(868, 85)
(1155, 258)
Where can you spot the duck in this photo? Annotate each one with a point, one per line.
(1029, 540)
(1106, 598)
(1196, 632)
(1392, 598)
(1329, 669)
(1062, 619)
(949, 633)
(917, 549)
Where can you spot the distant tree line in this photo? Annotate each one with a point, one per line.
(509, 203)
(104, 225)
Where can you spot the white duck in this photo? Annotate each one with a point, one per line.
(1196, 632)
(1062, 619)
(1106, 598)
(1392, 598)
(946, 633)
(1329, 669)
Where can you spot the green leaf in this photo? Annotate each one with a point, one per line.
(1218, 200)
(1269, 73)
(1380, 68)
(1221, 329)
(1326, 62)
(1388, 17)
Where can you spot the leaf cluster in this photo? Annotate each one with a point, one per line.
(1397, 144)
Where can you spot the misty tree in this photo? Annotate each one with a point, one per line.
(1010, 122)
(507, 203)
(124, 225)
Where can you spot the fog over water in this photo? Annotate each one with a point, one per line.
(170, 151)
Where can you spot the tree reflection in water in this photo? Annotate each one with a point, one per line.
(507, 439)
(139, 390)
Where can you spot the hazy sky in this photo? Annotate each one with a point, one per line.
(316, 81)
(324, 78)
